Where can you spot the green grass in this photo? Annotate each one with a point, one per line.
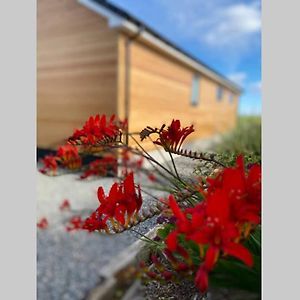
(244, 139)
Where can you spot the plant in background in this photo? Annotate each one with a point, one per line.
(209, 228)
(67, 157)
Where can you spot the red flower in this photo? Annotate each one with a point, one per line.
(173, 137)
(50, 164)
(43, 223)
(152, 177)
(97, 129)
(65, 205)
(122, 199)
(75, 223)
(243, 190)
(100, 167)
(121, 204)
(220, 233)
(69, 157)
(94, 222)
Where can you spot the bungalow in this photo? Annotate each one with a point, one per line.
(93, 57)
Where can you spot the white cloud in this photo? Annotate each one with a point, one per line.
(224, 25)
(255, 87)
(234, 23)
(238, 77)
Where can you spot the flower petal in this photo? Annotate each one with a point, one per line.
(211, 257)
(240, 252)
(171, 240)
(201, 279)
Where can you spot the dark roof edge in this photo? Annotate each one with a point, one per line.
(122, 13)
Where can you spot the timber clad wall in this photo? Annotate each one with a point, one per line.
(161, 90)
(76, 69)
(81, 72)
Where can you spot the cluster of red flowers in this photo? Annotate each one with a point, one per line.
(173, 137)
(67, 156)
(101, 167)
(97, 129)
(221, 222)
(123, 201)
(119, 207)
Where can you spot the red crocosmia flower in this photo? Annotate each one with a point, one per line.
(219, 232)
(183, 226)
(43, 223)
(65, 205)
(100, 167)
(50, 164)
(96, 130)
(69, 157)
(173, 137)
(123, 201)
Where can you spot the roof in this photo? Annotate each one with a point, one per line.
(128, 17)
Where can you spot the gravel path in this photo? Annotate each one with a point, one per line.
(69, 264)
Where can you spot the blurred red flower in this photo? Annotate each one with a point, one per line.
(43, 223)
(69, 157)
(100, 167)
(50, 164)
(65, 205)
(94, 222)
(75, 223)
(96, 129)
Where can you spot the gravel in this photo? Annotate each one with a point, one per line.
(69, 264)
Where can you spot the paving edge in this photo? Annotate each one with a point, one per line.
(120, 262)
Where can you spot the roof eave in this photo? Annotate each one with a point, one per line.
(126, 26)
(129, 27)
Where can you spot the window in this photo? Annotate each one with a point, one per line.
(219, 93)
(195, 90)
(231, 97)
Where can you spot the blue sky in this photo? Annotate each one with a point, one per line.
(225, 34)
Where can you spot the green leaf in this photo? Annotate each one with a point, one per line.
(230, 273)
(164, 232)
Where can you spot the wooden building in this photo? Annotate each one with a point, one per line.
(95, 58)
